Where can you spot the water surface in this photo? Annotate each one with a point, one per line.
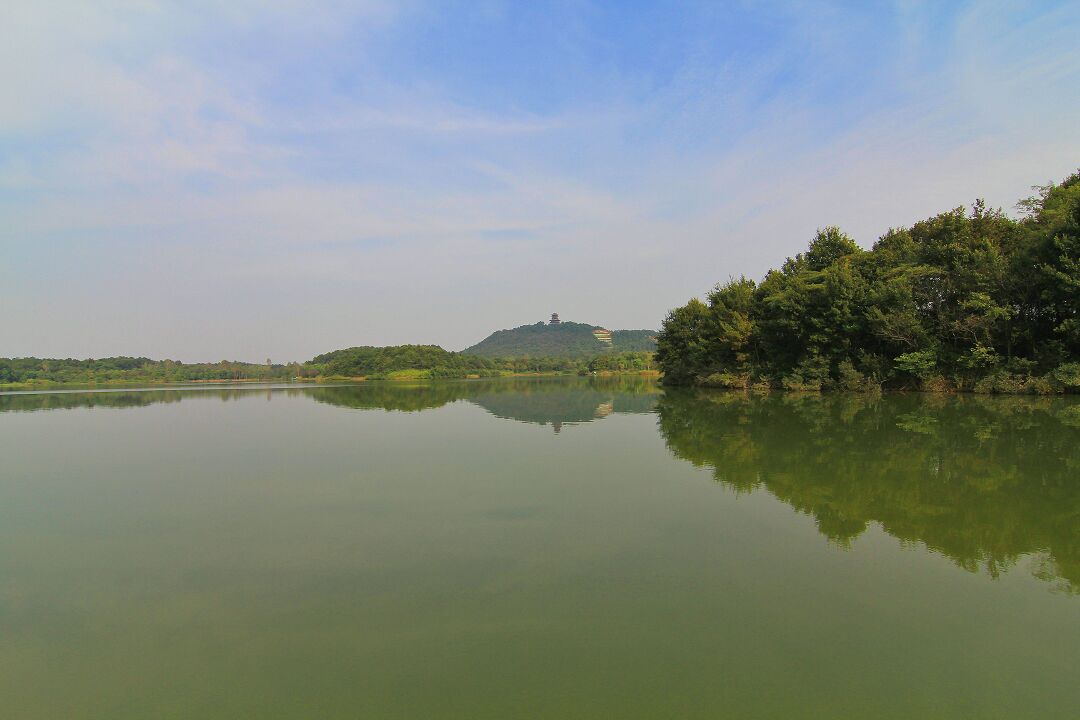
(537, 549)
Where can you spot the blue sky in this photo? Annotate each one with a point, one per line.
(205, 180)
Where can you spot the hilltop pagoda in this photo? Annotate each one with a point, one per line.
(554, 319)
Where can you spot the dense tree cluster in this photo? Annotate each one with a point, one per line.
(964, 300)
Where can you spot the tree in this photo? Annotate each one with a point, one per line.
(956, 299)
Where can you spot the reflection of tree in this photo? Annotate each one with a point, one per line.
(980, 480)
(537, 400)
(62, 401)
(27, 402)
(564, 403)
(390, 396)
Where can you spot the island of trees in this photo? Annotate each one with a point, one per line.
(968, 300)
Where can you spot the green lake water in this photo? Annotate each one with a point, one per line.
(537, 549)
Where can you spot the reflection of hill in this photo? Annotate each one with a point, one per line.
(572, 401)
(981, 480)
(535, 400)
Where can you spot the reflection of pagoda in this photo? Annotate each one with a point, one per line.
(554, 319)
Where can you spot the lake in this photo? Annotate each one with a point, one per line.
(537, 548)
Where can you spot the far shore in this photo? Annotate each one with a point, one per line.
(398, 376)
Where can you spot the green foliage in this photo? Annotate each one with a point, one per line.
(966, 300)
(1068, 375)
(681, 346)
(921, 364)
(622, 362)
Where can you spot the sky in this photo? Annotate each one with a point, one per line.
(203, 181)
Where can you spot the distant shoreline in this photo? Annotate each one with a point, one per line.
(400, 376)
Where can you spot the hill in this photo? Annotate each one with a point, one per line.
(566, 339)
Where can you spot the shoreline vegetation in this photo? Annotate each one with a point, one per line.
(402, 363)
(966, 301)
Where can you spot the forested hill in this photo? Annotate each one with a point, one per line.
(567, 339)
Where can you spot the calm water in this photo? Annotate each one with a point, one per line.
(537, 549)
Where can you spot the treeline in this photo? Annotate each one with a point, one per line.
(971, 301)
(420, 362)
(45, 371)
